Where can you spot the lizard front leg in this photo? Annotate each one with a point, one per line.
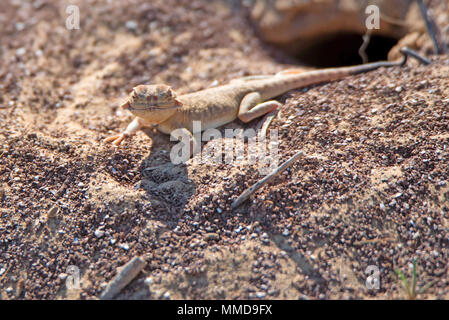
(131, 130)
(251, 107)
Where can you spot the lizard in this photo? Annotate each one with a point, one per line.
(158, 105)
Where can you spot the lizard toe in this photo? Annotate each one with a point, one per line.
(117, 139)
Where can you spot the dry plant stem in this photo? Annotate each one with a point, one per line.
(248, 192)
(430, 25)
(393, 20)
(373, 241)
(362, 49)
(6, 272)
(123, 278)
(409, 52)
(266, 121)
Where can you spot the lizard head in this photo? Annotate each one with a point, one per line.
(152, 102)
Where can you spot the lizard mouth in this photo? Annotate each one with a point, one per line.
(129, 105)
(126, 105)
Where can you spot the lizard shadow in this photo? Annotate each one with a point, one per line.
(167, 185)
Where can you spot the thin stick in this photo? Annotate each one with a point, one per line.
(409, 52)
(266, 121)
(128, 272)
(377, 240)
(393, 20)
(362, 50)
(430, 25)
(6, 272)
(248, 192)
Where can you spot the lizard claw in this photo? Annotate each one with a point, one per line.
(116, 139)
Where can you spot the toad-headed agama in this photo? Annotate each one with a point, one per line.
(246, 99)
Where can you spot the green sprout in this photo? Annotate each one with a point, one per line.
(411, 291)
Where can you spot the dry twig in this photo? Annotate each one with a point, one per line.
(248, 192)
(362, 50)
(409, 52)
(430, 25)
(127, 273)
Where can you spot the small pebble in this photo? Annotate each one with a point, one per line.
(124, 246)
(20, 26)
(63, 276)
(212, 236)
(99, 233)
(131, 25)
(20, 51)
(53, 212)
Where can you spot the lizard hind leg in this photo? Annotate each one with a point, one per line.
(251, 107)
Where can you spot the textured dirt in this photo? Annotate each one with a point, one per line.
(372, 189)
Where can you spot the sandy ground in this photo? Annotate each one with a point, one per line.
(373, 189)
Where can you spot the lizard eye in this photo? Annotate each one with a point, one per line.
(163, 94)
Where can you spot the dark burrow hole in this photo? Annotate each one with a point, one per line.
(343, 50)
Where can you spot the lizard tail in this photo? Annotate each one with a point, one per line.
(376, 65)
(350, 69)
(289, 72)
(355, 69)
(297, 78)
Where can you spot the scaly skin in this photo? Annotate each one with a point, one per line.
(246, 99)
